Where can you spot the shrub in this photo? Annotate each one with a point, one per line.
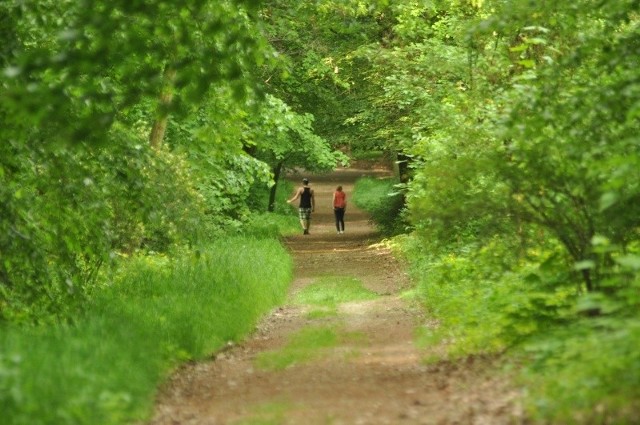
(383, 201)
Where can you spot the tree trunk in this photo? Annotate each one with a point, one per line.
(272, 193)
(162, 114)
(586, 276)
(401, 166)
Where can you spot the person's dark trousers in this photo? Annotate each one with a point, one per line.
(339, 213)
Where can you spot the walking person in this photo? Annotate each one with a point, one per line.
(307, 204)
(339, 207)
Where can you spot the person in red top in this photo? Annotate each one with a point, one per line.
(339, 207)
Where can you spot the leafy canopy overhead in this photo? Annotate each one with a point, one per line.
(93, 59)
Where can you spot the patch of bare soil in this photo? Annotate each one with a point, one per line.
(378, 378)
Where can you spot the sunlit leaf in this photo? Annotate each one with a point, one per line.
(631, 261)
(584, 265)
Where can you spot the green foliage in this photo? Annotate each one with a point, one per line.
(316, 71)
(215, 139)
(477, 294)
(79, 182)
(383, 201)
(157, 312)
(519, 120)
(585, 373)
(477, 96)
(73, 63)
(286, 139)
(67, 212)
(259, 195)
(516, 124)
(566, 134)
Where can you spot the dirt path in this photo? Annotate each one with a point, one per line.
(373, 375)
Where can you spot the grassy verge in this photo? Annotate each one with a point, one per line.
(381, 199)
(157, 312)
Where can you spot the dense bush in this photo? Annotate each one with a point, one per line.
(69, 211)
(382, 199)
(586, 373)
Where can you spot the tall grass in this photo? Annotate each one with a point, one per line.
(105, 368)
(271, 225)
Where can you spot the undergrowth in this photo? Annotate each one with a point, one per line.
(573, 368)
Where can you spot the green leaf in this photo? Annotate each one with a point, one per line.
(527, 63)
(631, 261)
(519, 48)
(584, 265)
(607, 200)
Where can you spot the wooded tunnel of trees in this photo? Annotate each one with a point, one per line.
(138, 129)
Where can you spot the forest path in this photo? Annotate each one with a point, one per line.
(371, 373)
